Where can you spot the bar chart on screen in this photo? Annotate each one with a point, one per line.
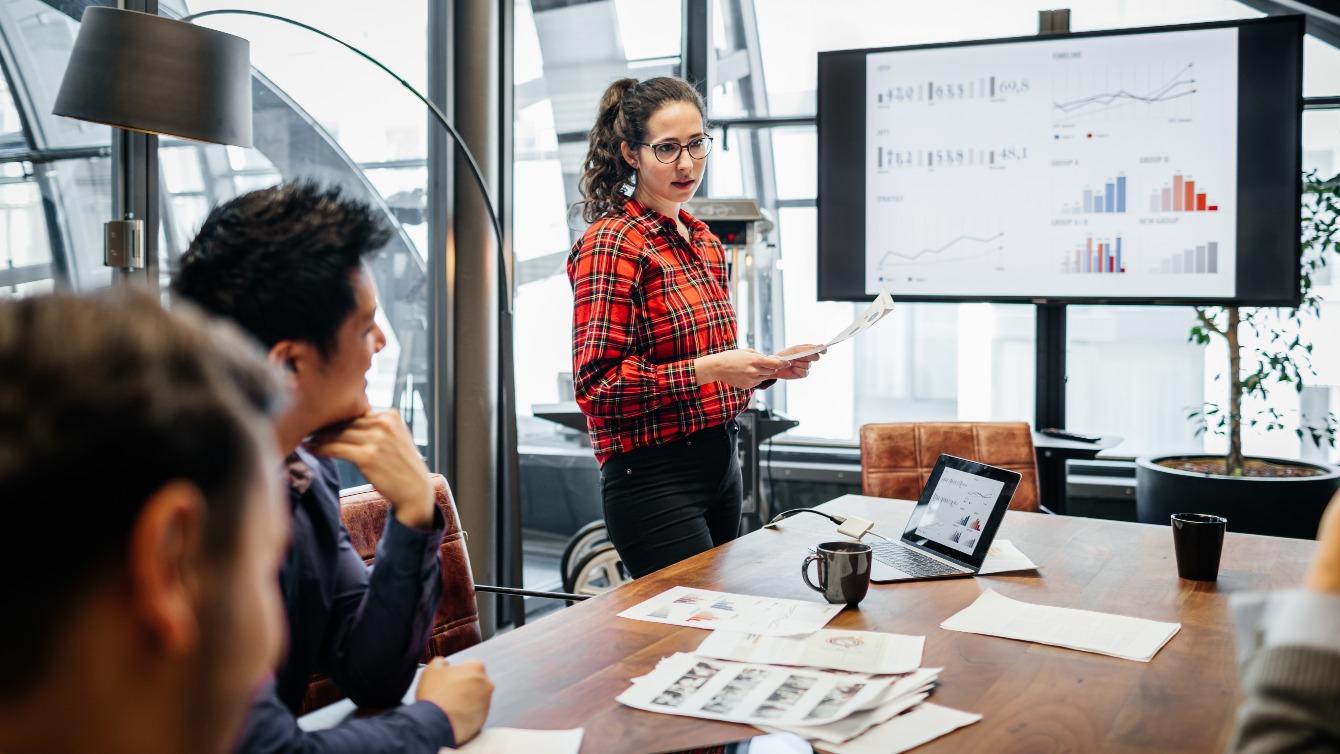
(1095, 257)
(1202, 259)
(1181, 194)
(1108, 197)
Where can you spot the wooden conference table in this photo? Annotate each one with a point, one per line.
(565, 670)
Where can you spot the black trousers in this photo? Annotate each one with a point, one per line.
(665, 503)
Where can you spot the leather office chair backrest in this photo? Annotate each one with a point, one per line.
(897, 459)
(456, 625)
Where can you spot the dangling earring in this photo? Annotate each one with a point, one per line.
(630, 185)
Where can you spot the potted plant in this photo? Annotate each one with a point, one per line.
(1275, 496)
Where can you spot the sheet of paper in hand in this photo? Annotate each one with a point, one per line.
(878, 309)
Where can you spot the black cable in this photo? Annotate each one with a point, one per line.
(478, 175)
(512, 591)
(788, 514)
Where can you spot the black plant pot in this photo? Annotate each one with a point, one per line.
(1281, 507)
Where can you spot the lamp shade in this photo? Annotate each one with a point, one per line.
(149, 73)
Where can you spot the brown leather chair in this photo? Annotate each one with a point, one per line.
(456, 625)
(896, 459)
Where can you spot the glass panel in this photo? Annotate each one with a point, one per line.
(25, 246)
(40, 39)
(1321, 152)
(1321, 68)
(649, 28)
(80, 192)
(796, 162)
(564, 55)
(1132, 373)
(11, 126)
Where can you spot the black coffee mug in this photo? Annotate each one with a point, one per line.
(844, 571)
(1198, 538)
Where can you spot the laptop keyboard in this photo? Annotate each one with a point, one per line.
(911, 562)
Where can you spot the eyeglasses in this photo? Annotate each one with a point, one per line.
(668, 151)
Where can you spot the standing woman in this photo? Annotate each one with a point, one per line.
(656, 365)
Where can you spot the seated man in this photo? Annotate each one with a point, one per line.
(286, 263)
(1291, 665)
(144, 521)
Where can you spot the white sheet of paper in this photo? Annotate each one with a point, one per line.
(519, 741)
(701, 608)
(925, 722)
(1121, 636)
(878, 309)
(685, 684)
(854, 651)
(1004, 557)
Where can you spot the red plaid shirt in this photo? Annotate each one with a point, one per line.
(646, 304)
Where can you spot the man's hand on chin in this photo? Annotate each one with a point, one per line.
(380, 445)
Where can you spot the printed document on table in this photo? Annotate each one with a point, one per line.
(855, 651)
(1004, 557)
(513, 740)
(701, 608)
(878, 309)
(926, 722)
(994, 614)
(684, 684)
(903, 694)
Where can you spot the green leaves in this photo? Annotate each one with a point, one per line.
(1275, 354)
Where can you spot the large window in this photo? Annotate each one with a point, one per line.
(565, 56)
(366, 135)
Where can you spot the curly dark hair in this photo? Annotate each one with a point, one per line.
(278, 261)
(624, 110)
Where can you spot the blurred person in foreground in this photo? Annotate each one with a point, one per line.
(144, 516)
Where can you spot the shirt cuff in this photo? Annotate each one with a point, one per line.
(678, 381)
(1303, 618)
(430, 719)
(409, 550)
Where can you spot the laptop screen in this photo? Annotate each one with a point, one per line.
(960, 509)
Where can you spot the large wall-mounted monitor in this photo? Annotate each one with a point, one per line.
(1140, 166)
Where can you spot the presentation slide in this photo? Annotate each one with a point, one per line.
(959, 509)
(1098, 167)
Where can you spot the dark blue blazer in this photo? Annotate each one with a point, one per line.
(364, 628)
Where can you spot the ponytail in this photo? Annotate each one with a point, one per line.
(622, 117)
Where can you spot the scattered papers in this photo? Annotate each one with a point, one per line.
(1004, 557)
(909, 730)
(903, 694)
(684, 684)
(854, 651)
(1103, 633)
(878, 309)
(700, 608)
(512, 740)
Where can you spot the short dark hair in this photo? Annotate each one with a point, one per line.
(103, 401)
(278, 261)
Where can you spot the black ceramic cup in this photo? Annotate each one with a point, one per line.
(1198, 538)
(844, 571)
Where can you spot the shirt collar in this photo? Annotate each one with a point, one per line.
(653, 221)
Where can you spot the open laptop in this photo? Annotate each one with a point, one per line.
(951, 529)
